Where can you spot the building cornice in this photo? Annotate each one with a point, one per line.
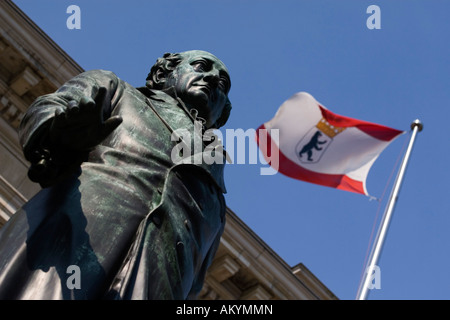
(244, 253)
(35, 45)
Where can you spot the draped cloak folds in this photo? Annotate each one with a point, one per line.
(137, 224)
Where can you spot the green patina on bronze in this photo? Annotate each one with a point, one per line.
(114, 203)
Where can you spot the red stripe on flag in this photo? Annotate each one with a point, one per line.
(293, 170)
(377, 131)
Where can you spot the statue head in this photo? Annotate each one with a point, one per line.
(200, 79)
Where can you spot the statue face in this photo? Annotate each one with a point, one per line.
(201, 80)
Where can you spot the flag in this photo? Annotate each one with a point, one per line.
(321, 147)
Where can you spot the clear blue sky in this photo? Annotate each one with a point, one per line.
(274, 49)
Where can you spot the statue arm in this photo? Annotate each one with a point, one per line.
(59, 129)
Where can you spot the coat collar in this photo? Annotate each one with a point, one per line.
(170, 97)
(163, 101)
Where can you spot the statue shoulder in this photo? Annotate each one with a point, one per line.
(99, 75)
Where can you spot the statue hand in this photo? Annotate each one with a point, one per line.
(82, 126)
(73, 132)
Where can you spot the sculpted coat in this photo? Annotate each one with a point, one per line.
(137, 224)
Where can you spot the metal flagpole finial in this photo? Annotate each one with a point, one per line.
(418, 124)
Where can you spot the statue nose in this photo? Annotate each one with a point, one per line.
(212, 78)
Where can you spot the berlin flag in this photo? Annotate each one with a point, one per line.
(321, 147)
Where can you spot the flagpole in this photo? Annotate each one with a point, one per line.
(363, 290)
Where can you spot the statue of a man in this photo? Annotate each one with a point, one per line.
(117, 217)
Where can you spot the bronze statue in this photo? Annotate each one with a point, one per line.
(114, 203)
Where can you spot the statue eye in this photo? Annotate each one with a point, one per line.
(224, 84)
(201, 66)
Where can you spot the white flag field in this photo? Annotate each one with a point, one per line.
(321, 147)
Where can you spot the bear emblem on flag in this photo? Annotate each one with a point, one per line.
(316, 141)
